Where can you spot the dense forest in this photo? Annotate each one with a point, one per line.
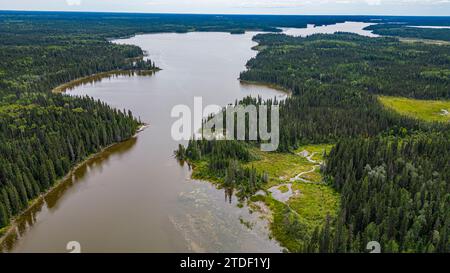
(44, 26)
(392, 171)
(352, 62)
(43, 135)
(394, 190)
(408, 31)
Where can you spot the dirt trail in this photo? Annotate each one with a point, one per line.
(308, 157)
(298, 177)
(276, 191)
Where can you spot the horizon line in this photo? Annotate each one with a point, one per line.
(219, 14)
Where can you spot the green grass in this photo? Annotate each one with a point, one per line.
(200, 171)
(3, 231)
(286, 227)
(428, 110)
(318, 149)
(292, 223)
(283, 188)
(279, 166)
(315, 176)
(314, 203)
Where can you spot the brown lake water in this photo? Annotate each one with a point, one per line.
(136, 197)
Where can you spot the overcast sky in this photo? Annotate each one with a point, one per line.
(369, 7)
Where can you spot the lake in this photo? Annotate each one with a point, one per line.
(432, 27)
(353, 27)
(135, 197)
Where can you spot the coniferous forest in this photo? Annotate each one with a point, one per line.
(392, 172)
(44, 135)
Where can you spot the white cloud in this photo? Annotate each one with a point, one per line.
(73, 2)
(271, 4)
(373, 2)
(367, 7)
(384, 7)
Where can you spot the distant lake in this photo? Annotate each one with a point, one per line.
(432, 27)
(353, 27)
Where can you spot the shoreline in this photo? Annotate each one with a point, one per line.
(269, 85)
(6, 231)
(99, 76)
(12, 227)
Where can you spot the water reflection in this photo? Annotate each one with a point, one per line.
(102, 76)
(51, 200)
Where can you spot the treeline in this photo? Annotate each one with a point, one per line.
(319, 117)
(225, 161)
(349, 61)
(393, 190)
(40, 26)
(39, 68)
(409, 31)
(42, 137)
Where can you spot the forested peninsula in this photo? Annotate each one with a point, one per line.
(390, 171)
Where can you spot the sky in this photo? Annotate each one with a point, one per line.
(301, 7)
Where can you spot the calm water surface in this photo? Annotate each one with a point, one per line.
(353, 27)
(432, 27)
(135, 197)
